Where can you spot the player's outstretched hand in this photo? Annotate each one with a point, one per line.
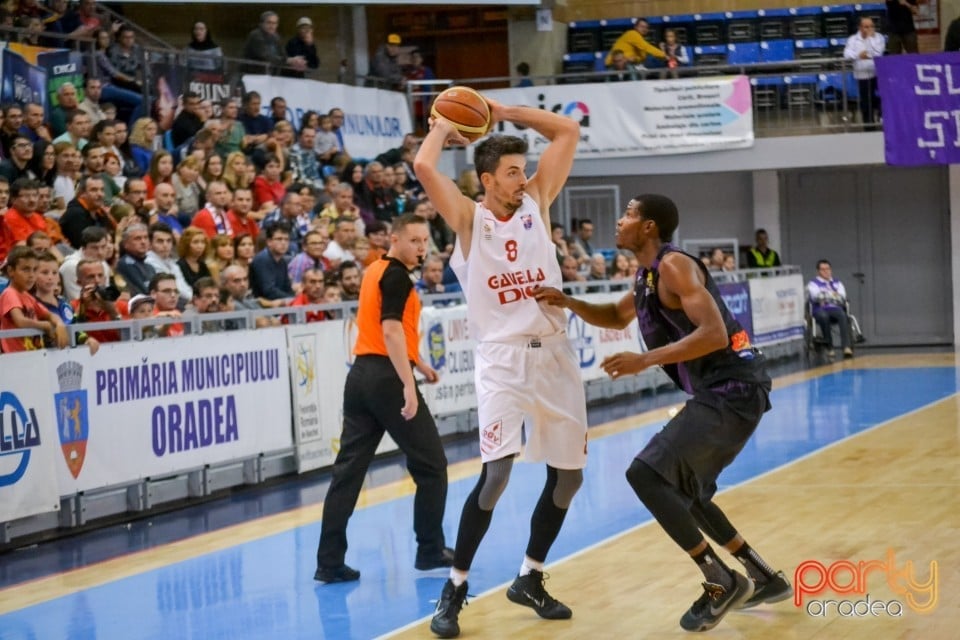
(624, 364)
(409, 402)
(551, 296)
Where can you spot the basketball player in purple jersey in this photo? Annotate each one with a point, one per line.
(527, 376)
(691, 334)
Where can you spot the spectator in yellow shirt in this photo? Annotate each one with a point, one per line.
(634, 45)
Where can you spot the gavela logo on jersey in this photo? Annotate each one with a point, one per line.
(515, 285)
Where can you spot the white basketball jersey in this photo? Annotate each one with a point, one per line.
(507, 259)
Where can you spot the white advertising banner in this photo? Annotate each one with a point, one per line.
(593, 344)
(777, 308)
(374, 120)
(662, 117)
(154, 408)
(28, 437)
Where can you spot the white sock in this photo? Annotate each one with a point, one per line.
(458, 577)
(530, 565)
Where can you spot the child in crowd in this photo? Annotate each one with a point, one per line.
(47, 291)
(20, 310)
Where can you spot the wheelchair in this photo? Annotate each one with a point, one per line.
(817, 343)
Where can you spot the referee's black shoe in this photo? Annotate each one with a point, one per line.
(528, 590)
(428, 561)
(445, 623)
(343, 573)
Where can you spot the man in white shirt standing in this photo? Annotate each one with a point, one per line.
(862, 47)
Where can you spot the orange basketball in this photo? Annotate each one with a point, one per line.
(465, 109)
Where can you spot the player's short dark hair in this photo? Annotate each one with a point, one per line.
(486, 157)
(661, 210)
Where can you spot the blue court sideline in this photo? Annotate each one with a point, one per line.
(264, 589)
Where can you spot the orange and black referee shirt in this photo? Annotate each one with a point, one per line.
(386, 293)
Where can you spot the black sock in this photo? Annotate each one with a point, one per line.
(757, 569)
(713, 568)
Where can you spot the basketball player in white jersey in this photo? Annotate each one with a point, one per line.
(527, 376)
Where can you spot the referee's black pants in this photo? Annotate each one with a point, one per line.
(372, 399)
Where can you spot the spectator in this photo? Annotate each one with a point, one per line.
(717, 257)
(126, 56)
(66, 102)
(22, 219)
(90, 105)
(244, 249)
(559, 241)
(393, 156)
(120, 84)
(186, 185)
(47, 292)
(385, 70)
(207, 52)
(132, 266)
(581, 248)
(188, 122)
(622, 69)
(134, 193)
(523, 70)
(164, 259)
(290, 209)
(417, 70)
(84, 20)
(379, 240)
(43, 164)
(570, 270)
(598, 267)
(93, 157)
(729, 263)
(33, 126)
(675, 52)
(828, 301)
(20, 310)
(302, 46)
(235, 172)
(431, 277)
(17, 164)
(303, 158)
(233, 137)
(268, 270)
(161, 172)
(238, 216)
(312, 293)
(213, 218)
(336, 120)
(164, 291)
(349, 278)
(93, 246)
(96, 301)
(192, 249)
(441, 235)
(68, 173)
(311, 258)
(142, 143)
(373, 199)
(339, 248)
(206, 299)
(325, 143)
(634, 45)
(256, 125)
(278, 110)
(143, 307)
(86, 210)
(621, 267)
(862, 47)
(165, 209)
(341, 207)
(10, 127)
(268, 189)
(901, 30)
(761, 256)
(220, 255)
(237, 284)
(212, 170)
(122, 144)
(263, 45)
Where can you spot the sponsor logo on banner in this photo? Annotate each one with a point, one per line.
(305, 361)
(19, 435)
(73, 425)
(582, 342)
(437, 346)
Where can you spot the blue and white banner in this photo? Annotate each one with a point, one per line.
(374, 120)
(920, 95)
(28, 438)
(659, 117)
(154, 408)
(23, 82)
(777, 309)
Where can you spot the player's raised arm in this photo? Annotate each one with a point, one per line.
(456, 208)
(557, 159)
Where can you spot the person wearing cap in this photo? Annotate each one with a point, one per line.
(385, 70)
(303, 46)
(141, 307)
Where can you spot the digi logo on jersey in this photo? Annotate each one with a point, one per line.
(515, 285)
(437, 346)
(73, 426)
(580, 341)
(19, 434)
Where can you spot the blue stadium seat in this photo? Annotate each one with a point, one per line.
(805, 22)
(682, 24)
(610, 30)
(585, 63)
(773, 24)
(837, 45)
(832, 87)
(742, 26)
(655, 35)
(708, 28)
(876, 11)
(743, 53)
(767, 92)
(583, 36)
(713, 55)
(800, 91)
(837, 21)
(811, 49)
(776, 51)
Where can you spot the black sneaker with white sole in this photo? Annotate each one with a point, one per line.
(776, 589)
(528, 590)
(716, 602)
(445, 622)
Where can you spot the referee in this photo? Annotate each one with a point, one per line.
(381, 395)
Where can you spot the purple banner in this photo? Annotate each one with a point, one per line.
(920, 97)
(736, 295)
